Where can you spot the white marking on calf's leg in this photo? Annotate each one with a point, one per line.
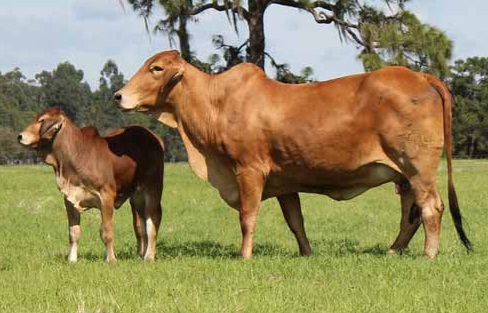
(74, 236)
(74, 230)
(151, 234)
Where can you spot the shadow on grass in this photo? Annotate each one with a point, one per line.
(204, 249)
(215, 250)
(347, 247)
(124, 253)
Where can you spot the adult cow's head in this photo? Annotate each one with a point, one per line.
(149, 90)
(43, 128)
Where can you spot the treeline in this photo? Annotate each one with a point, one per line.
(21, 99)
(469, 85)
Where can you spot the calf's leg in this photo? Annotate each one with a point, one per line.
(74, 230)
(137, 205)
(152, 215)
(107, 226)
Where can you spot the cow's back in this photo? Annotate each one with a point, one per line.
(324, 134)
(138, 157)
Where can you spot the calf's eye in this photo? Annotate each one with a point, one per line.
(156, 68)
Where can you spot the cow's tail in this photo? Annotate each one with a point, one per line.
(447, 102)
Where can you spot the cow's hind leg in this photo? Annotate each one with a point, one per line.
(410, 219)
(137, 205)
(292, 211)
(428, 200)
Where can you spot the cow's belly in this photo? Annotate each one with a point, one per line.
(80, 196)
(343, 185)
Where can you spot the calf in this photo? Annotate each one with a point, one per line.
(102, 172)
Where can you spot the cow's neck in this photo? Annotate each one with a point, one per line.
(197, 105)
(66, 149)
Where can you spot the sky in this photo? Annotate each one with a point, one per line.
(38, 35)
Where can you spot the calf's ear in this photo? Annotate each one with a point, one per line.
(50, 128)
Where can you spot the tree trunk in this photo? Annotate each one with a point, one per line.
(183, 38)
(255, 24)
(472, 147)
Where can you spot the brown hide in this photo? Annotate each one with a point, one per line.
(254, 138)
(102, 172)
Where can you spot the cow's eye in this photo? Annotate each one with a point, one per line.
(155, 68)
(41, 120)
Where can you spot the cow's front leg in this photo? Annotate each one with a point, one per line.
(74, 230)
(107, 226)
(250, 185)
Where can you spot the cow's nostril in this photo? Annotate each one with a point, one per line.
(117, 97)
(19, 137)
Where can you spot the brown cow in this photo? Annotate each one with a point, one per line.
(102, 172)
(254, 138)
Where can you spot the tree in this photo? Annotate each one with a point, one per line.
(469, 84)
(19, 100)
(64, 87)
(396, 37)
(403, 40)
(174, 24)
(101, 112)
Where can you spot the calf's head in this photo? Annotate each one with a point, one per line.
(149, 90)
(43, 128)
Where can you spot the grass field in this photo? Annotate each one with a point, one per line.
(198, 269)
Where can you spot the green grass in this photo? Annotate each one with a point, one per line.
(198, 269)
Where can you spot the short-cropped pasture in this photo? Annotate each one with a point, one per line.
(198, 268)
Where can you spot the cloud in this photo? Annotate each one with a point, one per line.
(38, 35)
(89, 10)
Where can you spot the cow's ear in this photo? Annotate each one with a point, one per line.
(167, 117)
(50, 127)
(172, 76)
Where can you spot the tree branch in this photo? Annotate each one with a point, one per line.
(226, 6)
(304, 6)
(355, 37)
(323, 5)
(322, 17)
